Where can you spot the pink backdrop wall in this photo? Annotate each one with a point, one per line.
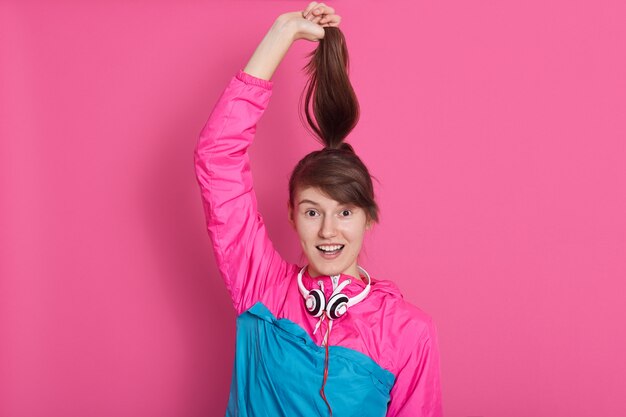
(496, 130)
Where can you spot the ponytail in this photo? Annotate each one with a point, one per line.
(329, 92)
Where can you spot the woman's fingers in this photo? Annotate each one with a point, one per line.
(308, 9)
(317, 18)
(317, 11)
(320, 14)
(321, 9)
(328, 9)
(332, 20)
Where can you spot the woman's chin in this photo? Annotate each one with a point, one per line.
(328, 268)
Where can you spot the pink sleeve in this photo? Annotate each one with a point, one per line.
(245, 256)
(417, 389)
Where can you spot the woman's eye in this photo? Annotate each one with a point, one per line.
(310, 213)
(346, 213)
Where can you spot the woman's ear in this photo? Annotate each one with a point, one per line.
(290, 215)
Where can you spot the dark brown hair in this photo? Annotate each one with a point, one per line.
(336, 170)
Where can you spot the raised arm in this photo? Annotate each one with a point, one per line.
(246, 257)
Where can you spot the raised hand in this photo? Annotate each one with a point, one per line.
(309, 23)
(306, 24)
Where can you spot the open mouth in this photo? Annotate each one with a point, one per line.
(330, 250)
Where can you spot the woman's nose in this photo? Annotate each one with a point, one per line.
(328, 228)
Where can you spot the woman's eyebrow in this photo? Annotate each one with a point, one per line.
(308, 201)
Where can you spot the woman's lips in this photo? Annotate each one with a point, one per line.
(330, 254)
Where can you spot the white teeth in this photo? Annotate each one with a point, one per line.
(329, 248)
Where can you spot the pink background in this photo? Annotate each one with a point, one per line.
(495, 128)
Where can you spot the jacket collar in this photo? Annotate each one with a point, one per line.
(355, 286)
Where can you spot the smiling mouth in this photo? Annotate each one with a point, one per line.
(330, 249)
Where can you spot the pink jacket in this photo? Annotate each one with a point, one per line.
(397, 335)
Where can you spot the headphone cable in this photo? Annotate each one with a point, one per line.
(326, 371)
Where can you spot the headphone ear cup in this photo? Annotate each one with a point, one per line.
(337, 306)
(315, 302)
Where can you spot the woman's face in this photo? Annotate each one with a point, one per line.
(323, 225)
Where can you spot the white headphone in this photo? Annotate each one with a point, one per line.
(338, 303)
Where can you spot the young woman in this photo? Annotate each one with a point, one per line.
(324, 338)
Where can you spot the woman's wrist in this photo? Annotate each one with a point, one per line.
(272, 49)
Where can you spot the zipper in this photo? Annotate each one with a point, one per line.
(335, 280)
